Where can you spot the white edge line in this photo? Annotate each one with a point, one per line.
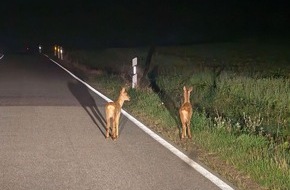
(214, 179)
(77, 78)
(2, 56)
(218, 182)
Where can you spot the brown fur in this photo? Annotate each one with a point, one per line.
(113, 112)
(185, 113)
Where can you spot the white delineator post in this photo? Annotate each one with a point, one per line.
(134, 77)
(61, 53)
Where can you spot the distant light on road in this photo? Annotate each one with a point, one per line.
(39, 48)
(55, 49)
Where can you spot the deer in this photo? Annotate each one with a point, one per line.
(185, 112)
(113, 112)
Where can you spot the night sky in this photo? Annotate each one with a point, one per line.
(130, 23)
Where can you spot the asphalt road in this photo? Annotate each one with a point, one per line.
(52, 137)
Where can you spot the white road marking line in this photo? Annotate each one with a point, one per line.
(214, 179)
(218, 182)
(2, 56)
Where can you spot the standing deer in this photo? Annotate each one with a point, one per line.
(185, 112)
(113, 112)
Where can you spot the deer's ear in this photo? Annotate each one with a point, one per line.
(184, 88)
(190, 89)
(123, 90)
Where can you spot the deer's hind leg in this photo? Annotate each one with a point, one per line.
(188, 129)
(188, 125)
(114, 129)
(183, 134)
(183, 122)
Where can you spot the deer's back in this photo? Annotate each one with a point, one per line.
(112, 108)
(186, 107)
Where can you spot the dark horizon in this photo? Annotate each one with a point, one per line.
(113, 23)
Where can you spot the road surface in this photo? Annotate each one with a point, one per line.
(52, 137)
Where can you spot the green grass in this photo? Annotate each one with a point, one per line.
(248, 153)
(241, 114)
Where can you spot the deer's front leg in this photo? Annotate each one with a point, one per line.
(114, 129)
(117, 125)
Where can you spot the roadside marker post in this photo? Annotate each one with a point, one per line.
(134, 77)
(61, 53)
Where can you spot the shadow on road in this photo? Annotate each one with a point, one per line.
(82, 94)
